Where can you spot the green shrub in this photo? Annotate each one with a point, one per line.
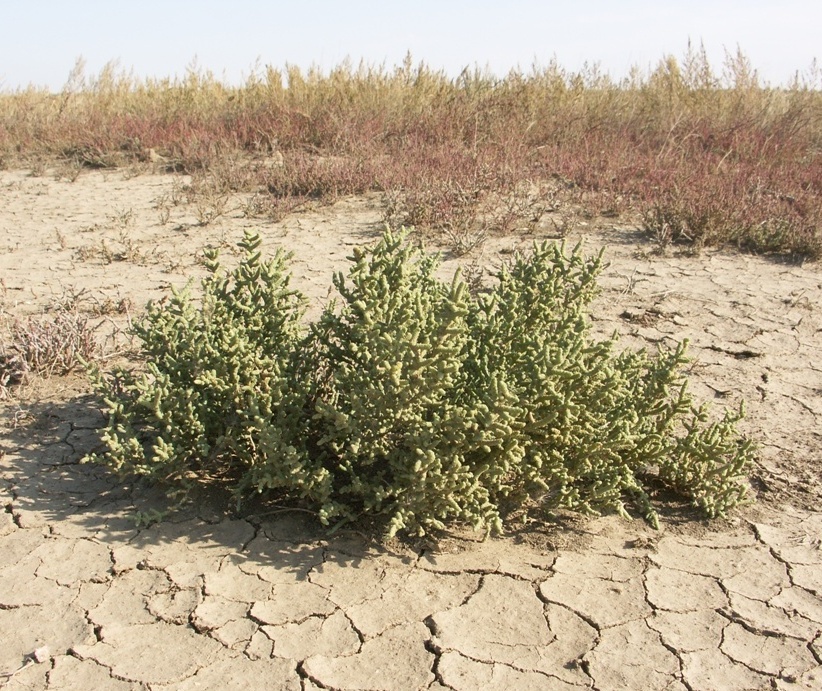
(414, 400)
(397, 421)
(221, 393)
(595, 424)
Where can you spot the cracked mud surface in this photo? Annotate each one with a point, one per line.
(208, 600)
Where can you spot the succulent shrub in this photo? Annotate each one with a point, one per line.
(595, 425)
(396, 420)
(221, 392)
(414, 400)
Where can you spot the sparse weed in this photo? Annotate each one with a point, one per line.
(38, 167)
(561, 223)
(128, 251)
(61, 239)
(68, 171)
(70, 299)
(131, 252)
(99, 251)
(163, 209)
(209, 194)
(109, 306)
(123, 218)
(209, 207)
(51, 344)
(178, 195)
(263, 205)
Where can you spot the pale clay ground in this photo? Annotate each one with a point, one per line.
(205, 600)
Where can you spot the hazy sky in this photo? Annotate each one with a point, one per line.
(40, 40)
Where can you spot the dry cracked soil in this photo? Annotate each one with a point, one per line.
(92, 598)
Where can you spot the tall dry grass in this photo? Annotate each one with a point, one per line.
(697, 155)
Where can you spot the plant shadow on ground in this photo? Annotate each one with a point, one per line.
(44, 485)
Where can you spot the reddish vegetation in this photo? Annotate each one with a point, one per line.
(697, 157)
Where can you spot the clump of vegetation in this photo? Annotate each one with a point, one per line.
(412, 399)
(221, 392)
(47, 345)
(51, 344)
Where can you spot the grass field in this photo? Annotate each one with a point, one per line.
(692, 154)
